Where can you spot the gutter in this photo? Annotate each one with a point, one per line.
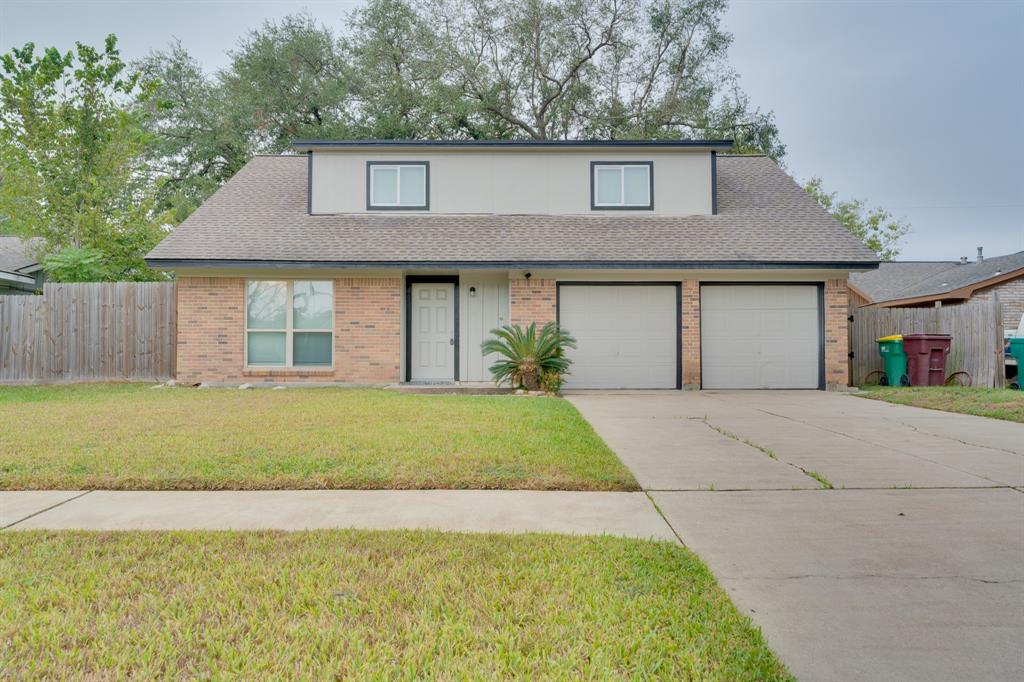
(16, 278)
(310, 144)
(172, 263)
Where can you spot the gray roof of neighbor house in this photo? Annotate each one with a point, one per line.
(16, 254)
(260, 217)
(899, 281)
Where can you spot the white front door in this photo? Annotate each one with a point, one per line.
(433, 332)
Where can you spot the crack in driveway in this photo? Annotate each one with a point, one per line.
(867, 441)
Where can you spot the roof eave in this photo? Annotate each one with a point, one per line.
(959, 294)
(305, 145)
(173, 263)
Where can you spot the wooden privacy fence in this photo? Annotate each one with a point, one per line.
(89, 332)
(976, 328)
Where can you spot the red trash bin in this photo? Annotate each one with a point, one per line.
(926, 358)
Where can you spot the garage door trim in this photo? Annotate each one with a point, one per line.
(820, 286)
(679, 310)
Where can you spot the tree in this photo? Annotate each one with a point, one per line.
(876, 226)
(194, 147)
(547, 69)
(71, 160)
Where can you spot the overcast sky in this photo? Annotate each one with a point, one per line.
(914, 106)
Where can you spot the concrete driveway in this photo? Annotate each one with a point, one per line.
(910, 567)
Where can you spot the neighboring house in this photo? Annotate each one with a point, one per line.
(672, 264)
(20, 273)
(915, 284)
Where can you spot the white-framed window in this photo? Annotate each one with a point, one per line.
(289, 323)
(397, 185)
(622, 185)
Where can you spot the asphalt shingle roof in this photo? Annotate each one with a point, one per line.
(15, 254)
(260, 215)
(894, 281)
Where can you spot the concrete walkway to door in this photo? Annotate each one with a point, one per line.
(870, 541)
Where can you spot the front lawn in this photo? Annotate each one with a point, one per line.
(129, 436)
(365, 604)
(998, 403)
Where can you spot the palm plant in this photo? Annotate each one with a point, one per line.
(527, 356)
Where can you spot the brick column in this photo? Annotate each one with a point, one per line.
(532, 300)
(836, 334)
(691, 334)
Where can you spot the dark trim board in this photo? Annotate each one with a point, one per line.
(170, 263)
(309, 182)
(428, 279)
(426, 185)
(649, 206)
(714, 183)
(304, 144)
(604, 283)
(821, 321)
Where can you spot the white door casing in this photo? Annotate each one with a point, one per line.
(432, 341)
(760, 336)
(627, 334)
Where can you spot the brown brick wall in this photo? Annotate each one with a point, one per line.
(691, 334)
(1011, 296)
(532, 300)
(837, 328)
(211, 328)
(211, 333)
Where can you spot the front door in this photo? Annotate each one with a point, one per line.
(432, 342)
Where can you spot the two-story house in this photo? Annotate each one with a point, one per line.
(673, 264)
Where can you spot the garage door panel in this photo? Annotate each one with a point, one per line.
(626, 335)
(760, 336)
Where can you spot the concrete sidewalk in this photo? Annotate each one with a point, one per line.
(614, 513)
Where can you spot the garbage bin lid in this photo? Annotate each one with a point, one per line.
(894, 337)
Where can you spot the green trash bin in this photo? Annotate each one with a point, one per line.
(894, 360)
(1017, 351)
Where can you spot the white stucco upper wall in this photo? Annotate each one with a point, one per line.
(539, 182)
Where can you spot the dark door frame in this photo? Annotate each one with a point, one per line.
(821, 320)
(430, 279)
(605, 283)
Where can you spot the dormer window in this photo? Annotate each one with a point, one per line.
(397, 186)
(622, 185)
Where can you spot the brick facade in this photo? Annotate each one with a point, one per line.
(837, 327)
(691, 334)
(1011, 296)
(532, 300)
(367, 333)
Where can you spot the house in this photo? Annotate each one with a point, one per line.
(20, 271)
(673, 263)
(928, 283)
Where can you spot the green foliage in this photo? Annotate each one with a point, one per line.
(76, 264)
(876, 227)
(530, 359)
(71, 160)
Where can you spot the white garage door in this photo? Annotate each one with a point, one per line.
(626, 335)
(760, 336)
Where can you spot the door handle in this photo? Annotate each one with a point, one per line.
(451, 342)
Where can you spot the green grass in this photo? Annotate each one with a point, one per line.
(125, 436)
(365, 604)
(998, 403)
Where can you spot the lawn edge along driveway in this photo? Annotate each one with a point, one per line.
(131, 437)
